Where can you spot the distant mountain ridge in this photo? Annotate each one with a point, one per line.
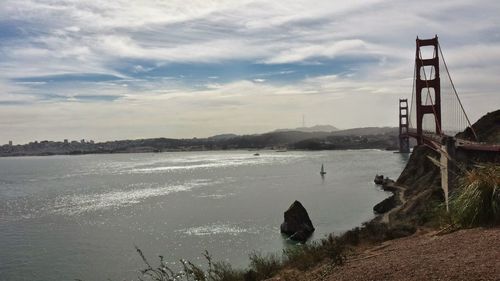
(313, 129)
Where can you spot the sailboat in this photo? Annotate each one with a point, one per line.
(322, 172)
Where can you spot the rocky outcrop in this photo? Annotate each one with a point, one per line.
(386, 205)
(389, 185)
(386, 183)
(379, 179)
(297, 224)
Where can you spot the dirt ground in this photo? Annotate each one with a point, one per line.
(472, 254)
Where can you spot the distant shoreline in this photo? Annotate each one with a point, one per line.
(182, 151)
(362, 138)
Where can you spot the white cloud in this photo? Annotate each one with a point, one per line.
(301, 53)
(100, 37)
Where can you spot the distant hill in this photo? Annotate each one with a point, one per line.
(367, 131)
(282, 139)
(358, 138)
(313, 129)
(222, 137)
(487, 129)
(371, 137)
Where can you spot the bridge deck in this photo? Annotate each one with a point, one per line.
(460, 143)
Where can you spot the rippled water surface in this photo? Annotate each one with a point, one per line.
(69, 217)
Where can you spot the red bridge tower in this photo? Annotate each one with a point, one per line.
(427, 83)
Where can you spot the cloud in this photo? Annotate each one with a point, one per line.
(219, 66)
(301, 53)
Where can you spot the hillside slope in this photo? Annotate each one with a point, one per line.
(462, 255)
(487, 129)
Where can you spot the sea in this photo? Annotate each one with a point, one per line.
(82, 217)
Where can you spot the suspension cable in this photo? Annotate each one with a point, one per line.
(412, 95)
(456, 94)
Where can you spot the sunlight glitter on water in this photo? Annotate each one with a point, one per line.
(207, 162)
(214, 229)
(78, 204)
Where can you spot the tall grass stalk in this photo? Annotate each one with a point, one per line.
(333, 249)
(477, 199)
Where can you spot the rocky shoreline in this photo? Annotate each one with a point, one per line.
(399, 244)
(391, 202)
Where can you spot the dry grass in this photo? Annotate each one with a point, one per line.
(477, 200)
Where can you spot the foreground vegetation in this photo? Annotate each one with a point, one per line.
(303, 257)
(476, 202)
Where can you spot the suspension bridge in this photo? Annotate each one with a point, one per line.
(435, 112)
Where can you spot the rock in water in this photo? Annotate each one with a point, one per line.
(379, 179)
(297, 223)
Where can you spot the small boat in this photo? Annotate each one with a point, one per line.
(256, 154)
(322, 172)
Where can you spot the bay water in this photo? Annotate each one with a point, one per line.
(80, 217)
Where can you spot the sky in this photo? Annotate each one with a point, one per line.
(121, 69)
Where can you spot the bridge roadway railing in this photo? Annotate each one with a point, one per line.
(480, 146)
(459, 143)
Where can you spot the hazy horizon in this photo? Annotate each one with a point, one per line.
(192, 137)
(128, 70)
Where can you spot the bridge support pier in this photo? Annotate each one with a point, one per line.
(448, 167)
(404, 139)
(449, 143)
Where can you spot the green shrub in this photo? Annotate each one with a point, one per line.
(373, 231)
(335, 249)
(264, 266)
(331, 248)
(222, 271)
(433, 213)
(477, 200)
(303, 256)
(352, 237)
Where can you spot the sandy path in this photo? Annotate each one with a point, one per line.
(400, 194)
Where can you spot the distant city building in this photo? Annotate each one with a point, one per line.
(91, 141)
(82, 141)
(10, 143)
(65, 141)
